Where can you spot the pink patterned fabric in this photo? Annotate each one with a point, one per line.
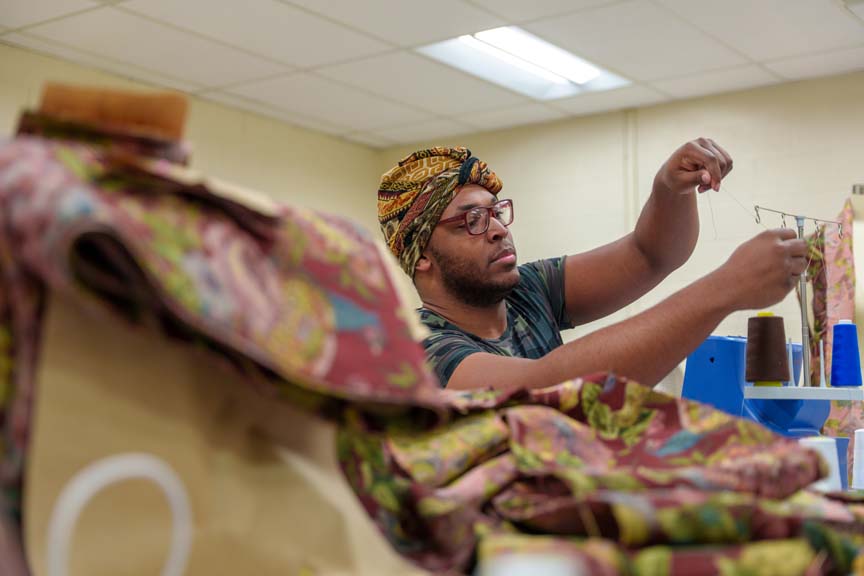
(839, 278)
(838, 295)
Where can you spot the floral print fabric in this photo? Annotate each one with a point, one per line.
(647, 479)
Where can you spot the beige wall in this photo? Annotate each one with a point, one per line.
(578, 183)
(287, 162)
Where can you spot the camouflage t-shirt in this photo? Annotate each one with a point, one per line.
(536, 314)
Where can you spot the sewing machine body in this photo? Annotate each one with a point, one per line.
(715, 376)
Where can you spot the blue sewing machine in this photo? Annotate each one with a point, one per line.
(715, 376)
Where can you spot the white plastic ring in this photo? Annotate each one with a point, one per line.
(99, 475)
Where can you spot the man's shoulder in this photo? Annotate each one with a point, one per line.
(539, 277)
(430, 319)
(445, 339)
(437, 324)
(541, 269)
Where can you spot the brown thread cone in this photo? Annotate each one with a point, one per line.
(767, 359)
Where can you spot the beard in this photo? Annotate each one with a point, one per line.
(464, 281)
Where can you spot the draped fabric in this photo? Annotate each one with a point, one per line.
(831, 270)
(303, 304)
(614, 474)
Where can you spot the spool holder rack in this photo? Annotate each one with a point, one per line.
(789, 392)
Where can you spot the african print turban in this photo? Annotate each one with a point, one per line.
(413, 195)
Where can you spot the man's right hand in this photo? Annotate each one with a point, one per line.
(763, 270)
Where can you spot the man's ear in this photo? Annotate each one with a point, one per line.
(423, 264)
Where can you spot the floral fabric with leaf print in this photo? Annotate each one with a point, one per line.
(623, 479)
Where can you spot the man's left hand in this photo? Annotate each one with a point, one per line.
(700, 163)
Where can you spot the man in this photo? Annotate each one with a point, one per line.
(497, 324)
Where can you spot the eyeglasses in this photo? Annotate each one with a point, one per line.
(477, 219)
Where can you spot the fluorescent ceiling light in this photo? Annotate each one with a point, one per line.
(540, 53)
(513, 58)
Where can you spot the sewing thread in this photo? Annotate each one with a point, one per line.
(767, 358)
(845, 361)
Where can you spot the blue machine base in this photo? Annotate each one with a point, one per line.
(715, 376)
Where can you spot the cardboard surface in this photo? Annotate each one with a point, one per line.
(262, 478)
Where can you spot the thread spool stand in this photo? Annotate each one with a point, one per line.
(716, 374)
(806, 390)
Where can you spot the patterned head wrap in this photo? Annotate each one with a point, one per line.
(413, 195)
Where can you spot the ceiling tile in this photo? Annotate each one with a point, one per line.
(242, 103)
(591, 102)
(46, 46)
(446, 132)
(138, 41)
(321, 98)
(520, 10)
(272, 29)
(406, 22)
(638, 40)
(716, 82)
(370, 140)
(771, 29)
(420, 82)
(511, 116)
(836, 62)
(18, 13)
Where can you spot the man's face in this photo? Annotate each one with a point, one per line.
(479, 269)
